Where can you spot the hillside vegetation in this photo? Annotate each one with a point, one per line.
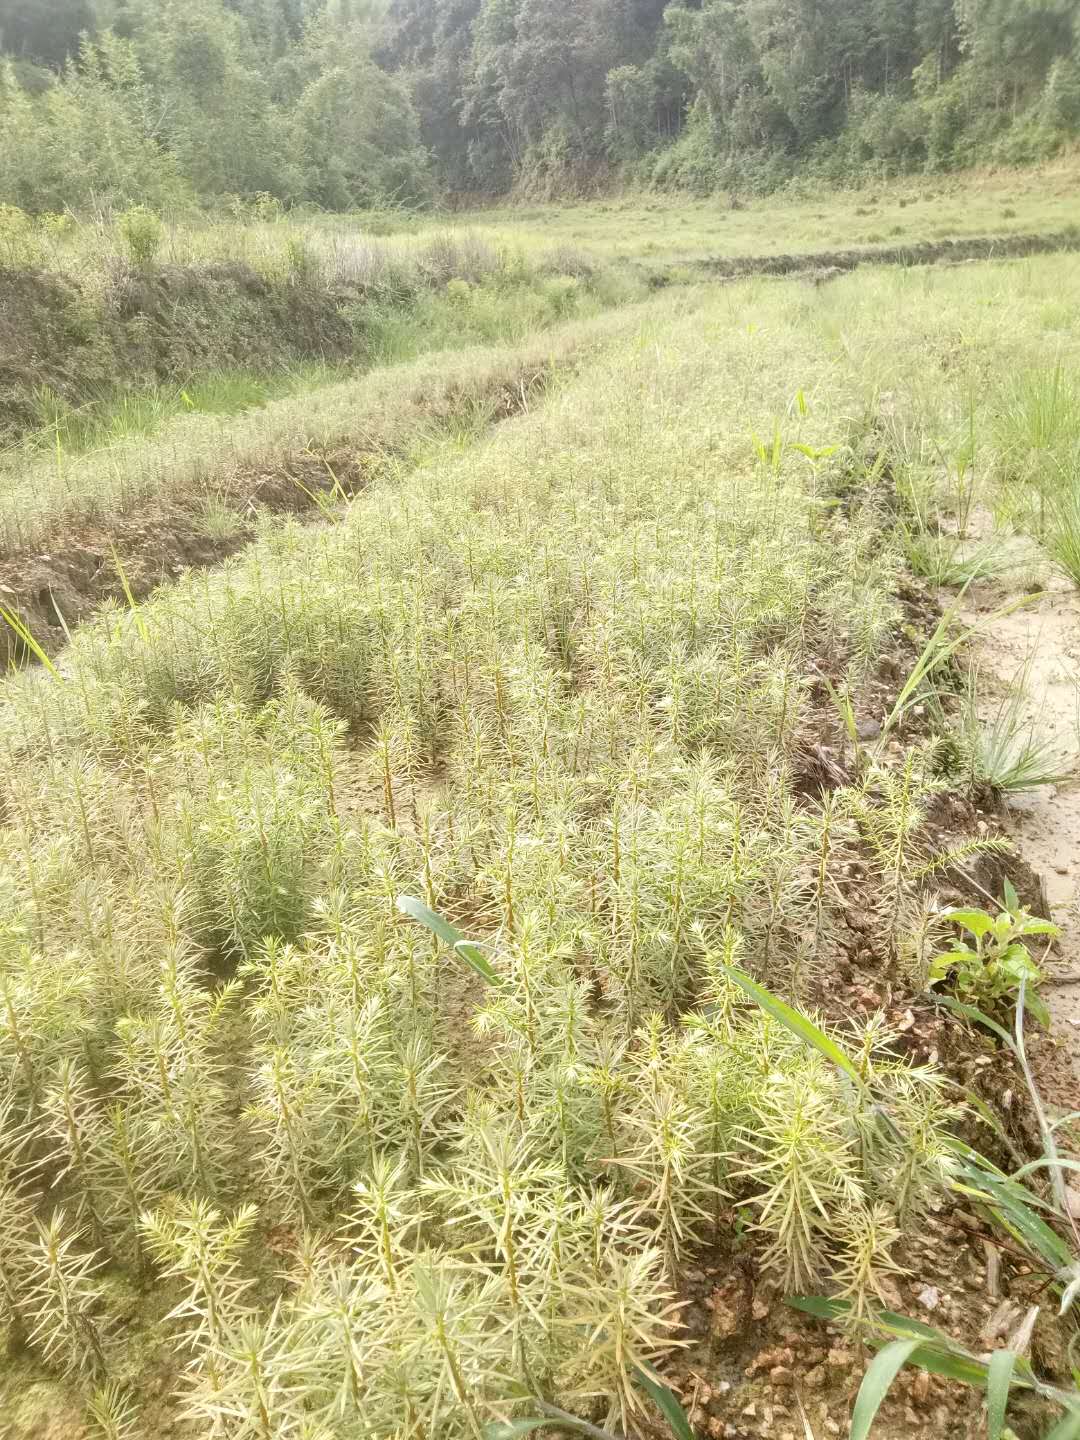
(342, 104)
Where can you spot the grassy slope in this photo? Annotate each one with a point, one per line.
(653, 227)
(664, 229)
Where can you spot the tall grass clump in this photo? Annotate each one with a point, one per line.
(1037, 433)
(1001, 745)
(1062, 536)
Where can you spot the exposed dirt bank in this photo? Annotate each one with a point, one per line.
(1040, 643)
(825, 264)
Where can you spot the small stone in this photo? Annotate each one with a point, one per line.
(890, 1291)
(759, 1310)
(728, 1305)
(749, 1412)
(780, 1375)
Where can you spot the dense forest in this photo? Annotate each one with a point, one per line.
(352, 103)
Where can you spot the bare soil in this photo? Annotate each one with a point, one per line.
(1042, 640)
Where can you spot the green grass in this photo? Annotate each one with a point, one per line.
(74, 430)
(650, 227)
(391, 410)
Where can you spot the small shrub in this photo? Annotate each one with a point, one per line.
(18, 244)
(561, 294)
(992, 971)
(142, 233)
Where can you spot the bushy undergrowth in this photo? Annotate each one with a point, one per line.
(555, 686)
(98, 317)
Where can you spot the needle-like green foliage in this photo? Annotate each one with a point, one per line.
(400, 1166)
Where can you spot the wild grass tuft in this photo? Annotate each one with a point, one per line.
(1000, 744)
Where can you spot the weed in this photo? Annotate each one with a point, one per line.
(1063, 528)
(999, 964)
(947, 560)
(142, 232)
(1000, 746)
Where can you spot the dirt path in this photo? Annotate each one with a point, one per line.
(1044, 637)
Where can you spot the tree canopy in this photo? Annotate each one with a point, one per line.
(346, 103)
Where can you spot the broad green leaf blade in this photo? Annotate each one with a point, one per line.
(510, 1429)
(797, 1023)
(14, 623)
(1012, 1206)
(818, 1306)
(977, 921)
(999, 1374)
(952, 1366)
(666, 1402)
(1067, 1428)
(880, 1374)
(1046, 1163)
(901, 1325)
(129, 596)
(935, 1351)
(469, 951)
